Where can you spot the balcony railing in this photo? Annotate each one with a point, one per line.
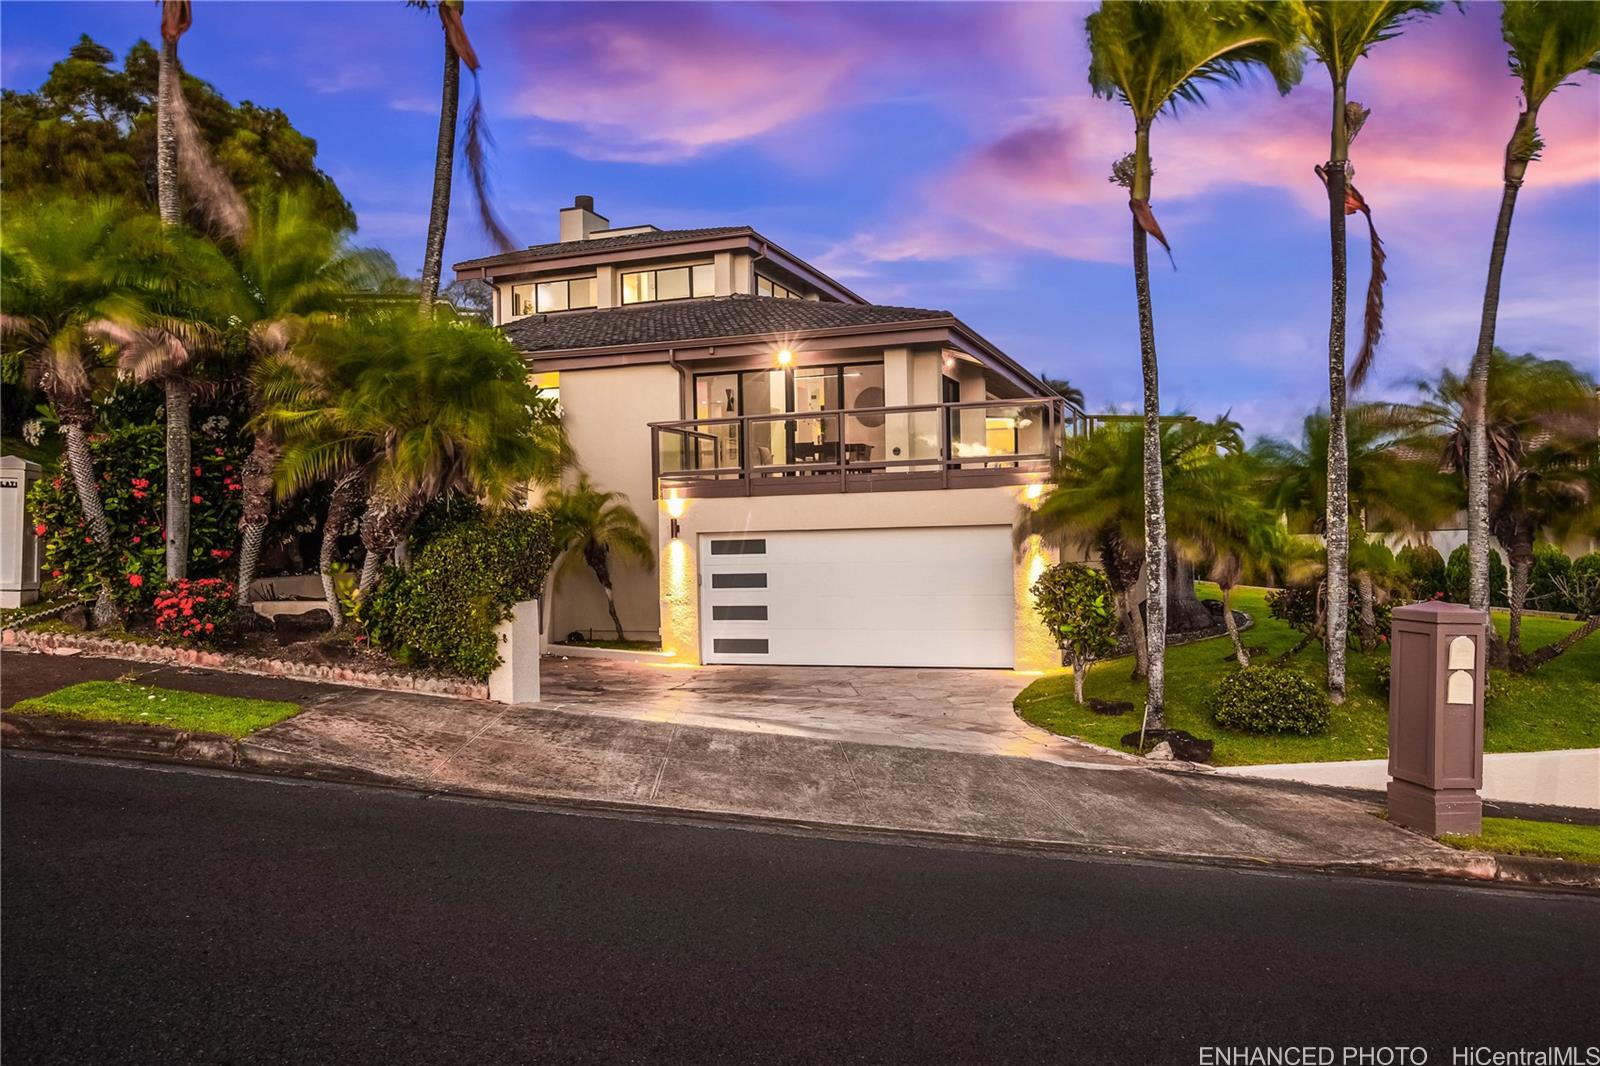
(948, 445)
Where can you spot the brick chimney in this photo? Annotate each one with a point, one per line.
(580, 220)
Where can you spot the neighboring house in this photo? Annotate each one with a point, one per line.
(830, 481)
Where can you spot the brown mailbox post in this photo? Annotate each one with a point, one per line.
(1436, 681)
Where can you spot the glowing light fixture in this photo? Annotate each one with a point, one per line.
(785, 356)
(1034, 490)
(674, 507)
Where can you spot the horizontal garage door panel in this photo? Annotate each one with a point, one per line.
(890, 597)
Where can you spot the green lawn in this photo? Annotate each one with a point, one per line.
(1513, 836)
(1556, 707)
(122, 701)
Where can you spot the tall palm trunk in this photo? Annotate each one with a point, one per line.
(1337, 525)
(167, 199)
(178, 483)
(1516, 165)
(257, 481)
(443, 163)
(80, 464)
(1369, 612)
(1519, 549)
(1232, 625)
(1155, 516)
(1185, 612)
(346, 493)
(595, 556)
(386, 521)
(177, 390)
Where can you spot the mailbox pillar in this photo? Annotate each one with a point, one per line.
(516, 679)
(19, 548)
(1436, 682)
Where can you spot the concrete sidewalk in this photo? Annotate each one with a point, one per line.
(484, 749)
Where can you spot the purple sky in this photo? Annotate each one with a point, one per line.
(950, 156)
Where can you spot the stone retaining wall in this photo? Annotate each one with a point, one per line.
(388, 680)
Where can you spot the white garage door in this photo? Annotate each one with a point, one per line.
(875, 597)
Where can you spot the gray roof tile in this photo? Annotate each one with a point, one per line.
(686, 320)
(601, 244)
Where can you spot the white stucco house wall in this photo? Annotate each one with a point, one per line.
(829, 481)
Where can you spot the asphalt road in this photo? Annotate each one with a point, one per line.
(160, 915)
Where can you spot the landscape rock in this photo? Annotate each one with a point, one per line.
(1178, 744)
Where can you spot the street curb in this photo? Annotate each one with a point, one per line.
(153, 743)
(260, 666)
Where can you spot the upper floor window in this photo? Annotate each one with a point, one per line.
(571, 295)
(768, 287)
(670, 283)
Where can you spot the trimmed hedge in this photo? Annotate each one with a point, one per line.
(1265, 699)
(443, 612)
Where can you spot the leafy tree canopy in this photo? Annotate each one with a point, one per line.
(89, 131)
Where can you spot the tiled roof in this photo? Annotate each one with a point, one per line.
(694, 320)
(601, 244)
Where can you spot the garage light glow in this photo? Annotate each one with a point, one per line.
(785, 356)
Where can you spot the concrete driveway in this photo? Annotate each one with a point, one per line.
(949, 710)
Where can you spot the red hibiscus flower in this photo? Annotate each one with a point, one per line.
(136, 580)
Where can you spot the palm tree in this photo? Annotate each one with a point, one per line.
(1096, 504)
(294, 272)
(1550, 43)
(187, 288)
(163, 355)
(420, 407)
(1340, 32)
(590, 525)
(1390, 484)
(457, 50)
(61, 274)
(1243, 537)
(1064, 389)
(1153, 56)
(1540, 424)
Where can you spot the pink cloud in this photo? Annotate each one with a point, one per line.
(1443, 104)
(665, 83)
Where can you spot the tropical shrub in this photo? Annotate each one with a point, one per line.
(1265, 699)
(443, 611)
(1457, 576)
(1422, 569)
(195, 610)
(1551, 570)
(1297, 605)
(131, 462)
(1076, 605)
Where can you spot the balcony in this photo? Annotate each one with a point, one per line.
(869, 449)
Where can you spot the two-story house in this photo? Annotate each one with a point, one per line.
(830, 481)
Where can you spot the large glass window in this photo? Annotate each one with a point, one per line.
(767, 287)
(806, 389)
(672, 283)
(545, 296)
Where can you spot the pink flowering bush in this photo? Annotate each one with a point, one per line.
(130, 464)
(195, 610)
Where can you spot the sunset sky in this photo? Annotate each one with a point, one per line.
(950, 156)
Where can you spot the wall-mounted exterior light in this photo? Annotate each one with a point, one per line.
(674, 505)
(785, 356)
(1034, 491)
